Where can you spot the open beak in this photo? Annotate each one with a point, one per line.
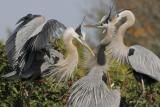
(98, 25)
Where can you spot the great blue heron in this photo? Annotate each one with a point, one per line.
(145, 64)
(29, 49)
(91, 90)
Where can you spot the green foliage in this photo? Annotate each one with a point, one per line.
(48, 94)
(131, 90)
(42, 93)
(29, 94)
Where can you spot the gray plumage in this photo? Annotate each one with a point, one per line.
(145, 62)
(11, 41)
(29, 44)
(91, 91)
(40, 39)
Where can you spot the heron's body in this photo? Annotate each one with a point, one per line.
(16, 42)
(142, 60)
(91, 90)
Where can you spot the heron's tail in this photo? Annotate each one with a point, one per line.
(11, 75)
(93, 92)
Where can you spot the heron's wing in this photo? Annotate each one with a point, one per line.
(10, 43)
(10, 47)
(144, 61)
(39, 44)
(19, 37)
(52, 29)
(91, 91)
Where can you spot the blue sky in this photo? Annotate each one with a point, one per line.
(68, 12)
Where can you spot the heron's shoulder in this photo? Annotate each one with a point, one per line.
(138, 49)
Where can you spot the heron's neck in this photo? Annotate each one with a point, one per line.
(130, 20)
(70, 62)
(71, 50)
(118, 49)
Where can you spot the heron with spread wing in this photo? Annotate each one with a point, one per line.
(30, 52)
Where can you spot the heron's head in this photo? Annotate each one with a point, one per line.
(71, 33)
(29, 17)
(123, 17)
(120, 23)
(81, 38)
(111, 26)
(103, 23)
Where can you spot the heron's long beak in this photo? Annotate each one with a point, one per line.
(91, 25)
(83, 42)
(86, 45)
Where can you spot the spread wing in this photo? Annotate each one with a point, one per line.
(35, 44)
(52, 29)
(91, 91)
(41, 42)
(19, 37)
(144, 61)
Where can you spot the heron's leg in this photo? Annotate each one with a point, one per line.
(143, 93)
(143, 87)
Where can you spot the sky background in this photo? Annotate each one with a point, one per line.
(12, 10)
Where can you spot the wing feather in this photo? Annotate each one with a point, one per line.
(51, 29)
(91, 91)
(145, 61)
(10, 44)
(39, 43)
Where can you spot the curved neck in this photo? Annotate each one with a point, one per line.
(118, 48)
(70, 62)
(123, 28)
(71, 48)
